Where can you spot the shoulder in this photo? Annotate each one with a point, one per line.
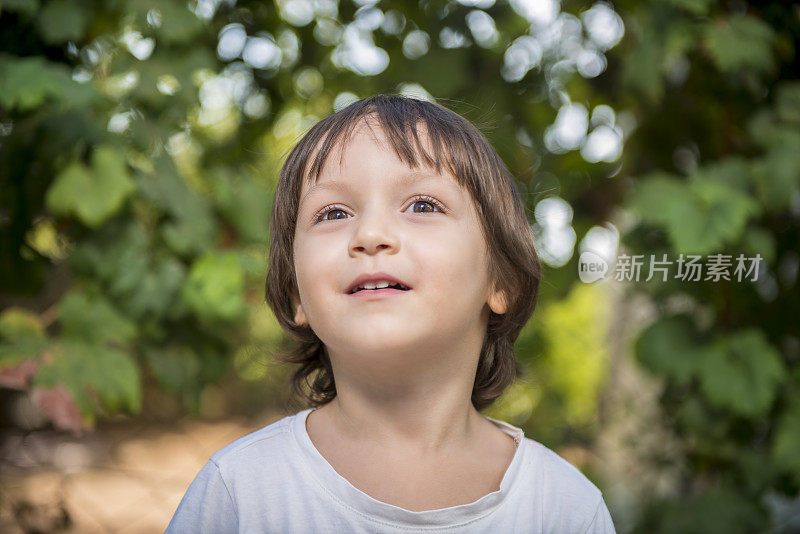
(560, 476)
(228, 482)
(570, 502)
(262, 445)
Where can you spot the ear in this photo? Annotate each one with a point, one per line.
(497, 302)
(299, 315)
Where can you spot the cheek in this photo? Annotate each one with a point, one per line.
(303, 270)
(315, 264)
(456, 262)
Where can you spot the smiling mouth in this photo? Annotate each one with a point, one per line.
(393, 287)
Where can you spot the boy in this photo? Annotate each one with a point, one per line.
(402, 262)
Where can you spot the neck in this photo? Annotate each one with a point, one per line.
(415, 399)
(427, 423)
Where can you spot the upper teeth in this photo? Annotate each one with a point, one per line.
(375, 285)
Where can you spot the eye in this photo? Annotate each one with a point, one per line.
(333, 208)
(424, 200)
(421, 201)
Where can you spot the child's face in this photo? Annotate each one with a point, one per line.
(380, 223)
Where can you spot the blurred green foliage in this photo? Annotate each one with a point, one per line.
(717, 164)
(140, 143)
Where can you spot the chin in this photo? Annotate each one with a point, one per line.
(376, 346)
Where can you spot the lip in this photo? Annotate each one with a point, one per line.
(376, 277)
(377, 293)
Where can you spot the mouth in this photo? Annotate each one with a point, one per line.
(375, 283)
(393, 288)
(377, 294)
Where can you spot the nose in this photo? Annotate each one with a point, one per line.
(374, 233)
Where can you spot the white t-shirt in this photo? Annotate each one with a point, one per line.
(274, 480)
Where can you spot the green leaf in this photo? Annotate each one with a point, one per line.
(17, 324)
(142, 280)
(95, 193)
(25, 83)
(696, 7)
(732, 171)
(241, 200)
(115, 378)
(175, 367)
(742, 374)
(643, 69)
(62, 21)
(125, 260)
(191, 228)
(755, 241)
(80, 96)
(787, 441)
(444, 70)
(178, 24)
(725, 210)
(187, 234)
(22, 337)
(669, 204)
(87, 369)
(159, 289)
(708, 429)
(701, 215)
(740, 42)
(651, 193)
(90, 317)
(669, 346)
(787, 101)
(29, 7)
(116, 254)
(777, 174)
(214, 288)
(24, 349)
(721, 510)
(762, 126)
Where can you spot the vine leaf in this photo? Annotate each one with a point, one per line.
(741, 42)
(699, 216)
(62, 21)
(25, 83)
(92, 194)
(215, 286)
(59, 406)
(742, 373)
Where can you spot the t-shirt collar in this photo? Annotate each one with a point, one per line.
(341, 490)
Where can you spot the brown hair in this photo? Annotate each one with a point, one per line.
(514, 265)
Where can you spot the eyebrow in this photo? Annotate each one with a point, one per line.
(405, 179)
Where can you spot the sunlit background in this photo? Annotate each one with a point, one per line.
(140, 143)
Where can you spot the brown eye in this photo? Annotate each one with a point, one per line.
(421, 201)
(323, 215)
(343, 215)
(424, 203)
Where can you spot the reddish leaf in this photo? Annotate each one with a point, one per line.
(59, 406)
(18, 376)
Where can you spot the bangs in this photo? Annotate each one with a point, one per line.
(400, 120)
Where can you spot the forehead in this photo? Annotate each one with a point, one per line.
(410, 154)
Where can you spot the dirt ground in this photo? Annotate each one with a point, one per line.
(122, 478)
